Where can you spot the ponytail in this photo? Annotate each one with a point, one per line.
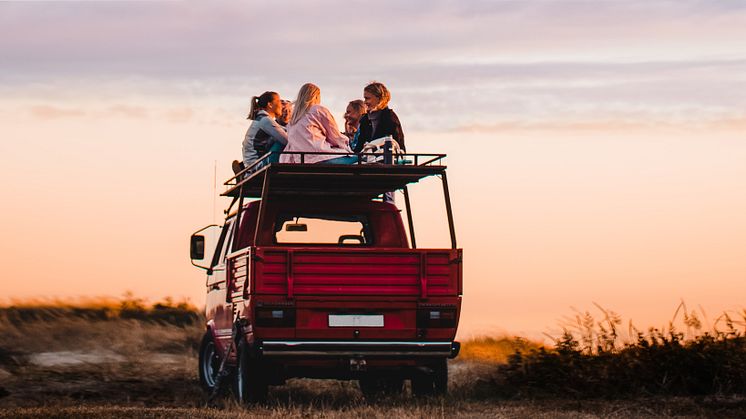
(260, 102)
(254, 107)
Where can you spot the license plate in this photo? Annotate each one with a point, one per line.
(356, 320)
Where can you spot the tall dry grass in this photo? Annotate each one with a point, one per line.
(495, 350)
(154, 348)
(591, 358)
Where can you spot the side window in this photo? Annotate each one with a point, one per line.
(224, 244)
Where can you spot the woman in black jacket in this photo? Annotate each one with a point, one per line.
(380, 120)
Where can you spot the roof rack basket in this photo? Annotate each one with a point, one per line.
(370, 176)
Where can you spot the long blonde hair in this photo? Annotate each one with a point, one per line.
(308, 95)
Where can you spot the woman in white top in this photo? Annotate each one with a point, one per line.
(313, 129)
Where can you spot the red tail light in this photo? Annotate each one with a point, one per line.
(274, 317)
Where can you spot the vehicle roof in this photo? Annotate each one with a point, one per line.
(352, 205)
(361, 180)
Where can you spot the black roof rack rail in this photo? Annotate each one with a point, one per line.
(362, 178)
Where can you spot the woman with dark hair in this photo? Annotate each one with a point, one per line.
(287, 113)
(265, 134)
(380, 121)
(355, 110)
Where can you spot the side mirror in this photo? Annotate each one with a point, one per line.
(296, 227)
(199, 243)
(197, 247)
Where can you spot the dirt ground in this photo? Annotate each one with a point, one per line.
(128, 368)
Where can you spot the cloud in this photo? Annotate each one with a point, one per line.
(301, 40)
(179, 115)
(448, 63)
(134, 112)
(53, 112)
(732, 123)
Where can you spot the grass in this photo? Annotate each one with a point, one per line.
(147, 360)
(495, 350)
(591, 359)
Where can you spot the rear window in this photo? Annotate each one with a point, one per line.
(323, 229)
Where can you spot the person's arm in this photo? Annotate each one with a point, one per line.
(333, 136)
(363, 134)
(274, 130)
(396, 131)
(247, 147)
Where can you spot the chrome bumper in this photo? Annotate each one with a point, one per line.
(327, 349)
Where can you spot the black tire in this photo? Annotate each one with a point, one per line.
(433, 382)
(250, 383)
(376, 386)
(209, 363)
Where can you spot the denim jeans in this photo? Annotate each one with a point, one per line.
(341, 160)
(274, 157)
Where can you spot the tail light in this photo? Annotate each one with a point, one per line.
(436, 317)
(274, 317)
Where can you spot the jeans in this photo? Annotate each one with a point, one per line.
(274, 157)
(341, 160)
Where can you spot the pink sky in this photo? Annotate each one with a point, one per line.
(595, 149)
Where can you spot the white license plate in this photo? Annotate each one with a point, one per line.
(356, 320)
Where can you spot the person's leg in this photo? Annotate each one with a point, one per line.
(276, 149)
(341, 160)
(389, 197)
(238, 167)
(274, 157)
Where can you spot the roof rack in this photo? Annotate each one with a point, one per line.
(363, 178)
(385, 173)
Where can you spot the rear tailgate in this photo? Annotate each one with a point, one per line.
(365, 272)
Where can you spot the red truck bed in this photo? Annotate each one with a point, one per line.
(389, 272)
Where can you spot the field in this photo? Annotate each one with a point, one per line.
(122, 359)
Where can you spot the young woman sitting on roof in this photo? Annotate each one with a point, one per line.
(380, 121)
(265, 134)
(312, 129)
(355, 110)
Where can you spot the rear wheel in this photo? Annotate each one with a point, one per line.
(209, 363)
(433, 382)
(250, 384)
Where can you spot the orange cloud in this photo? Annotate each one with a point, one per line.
(137, 112)
(53, 112)
(725, 123)
(180, 114)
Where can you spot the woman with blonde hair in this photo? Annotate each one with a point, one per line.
(380, 121)
(312, 129)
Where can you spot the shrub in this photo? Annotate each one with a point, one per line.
(592, 361)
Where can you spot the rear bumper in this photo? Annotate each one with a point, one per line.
(336, 349)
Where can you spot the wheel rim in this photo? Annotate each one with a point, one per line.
(210, 365)
(240, 378)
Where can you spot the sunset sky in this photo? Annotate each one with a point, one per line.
(597, 149)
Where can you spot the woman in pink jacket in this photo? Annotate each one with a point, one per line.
(313, 129)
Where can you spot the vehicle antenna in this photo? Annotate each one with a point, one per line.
(214, 188)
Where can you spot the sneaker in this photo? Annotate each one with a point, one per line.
(237, 167)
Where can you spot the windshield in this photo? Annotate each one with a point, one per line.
(323, 229)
